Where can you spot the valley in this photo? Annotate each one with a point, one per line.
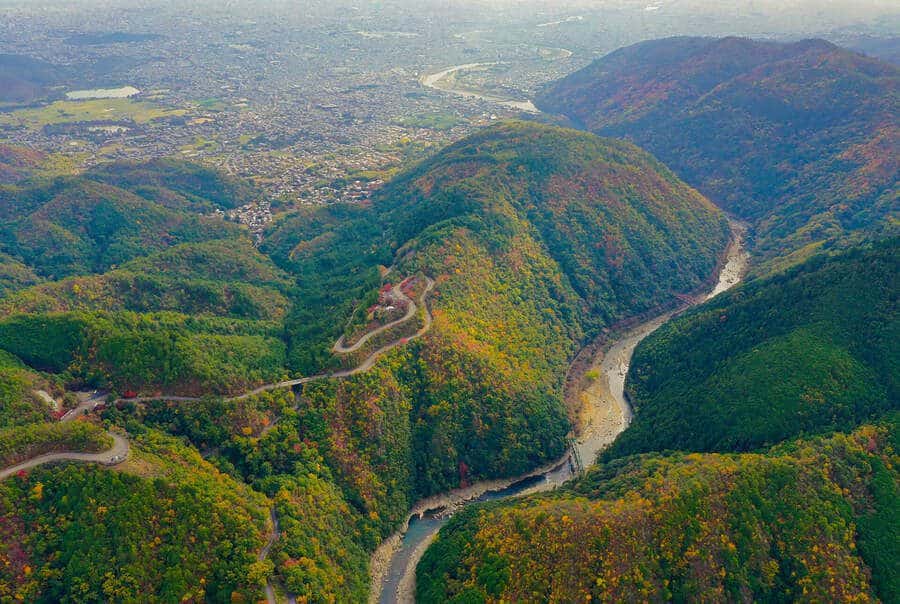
(604, 414)
(457, 302)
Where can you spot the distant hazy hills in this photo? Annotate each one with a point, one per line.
(886, 49)
(24, 79)
(800, 139)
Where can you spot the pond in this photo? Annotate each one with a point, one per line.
(102, 93)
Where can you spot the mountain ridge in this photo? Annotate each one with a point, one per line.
(799, 139)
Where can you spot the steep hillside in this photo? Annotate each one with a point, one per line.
(800, 139)
(338, 469)
(809, 350)
(226, 277)
(536, 237)
(14, 275)
(165, 527)
(19, 403)
(811, 521)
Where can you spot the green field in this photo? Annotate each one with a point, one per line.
(66, 112)
(434, 121)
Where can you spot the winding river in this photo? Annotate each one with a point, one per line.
(442, 81)
(604, 414)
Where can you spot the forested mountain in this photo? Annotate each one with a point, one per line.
(799, 139)
(812, 520)
(600, 213)
(136, 284)
(536, 237)
(809, 350)
(165, 526)
(78, 225)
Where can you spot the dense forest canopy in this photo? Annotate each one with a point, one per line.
(810, 520)
(809, 350)
(536, 238)
(800, 139)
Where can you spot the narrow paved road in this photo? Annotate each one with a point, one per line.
(264, 553)
(410, 313)
(116, 454)
(364, 366)
(120, 448)
(273, 537)
(370, 360)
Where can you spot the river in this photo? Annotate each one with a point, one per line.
(438, 81)
(604, 414)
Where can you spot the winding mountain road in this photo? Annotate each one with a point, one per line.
(264, 553)
(112, 456)
(364, 366)
(339, 347)
(120, 449)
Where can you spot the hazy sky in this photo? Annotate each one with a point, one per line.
(771, 16)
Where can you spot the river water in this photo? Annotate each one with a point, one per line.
(438, 81)
(604, 415)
